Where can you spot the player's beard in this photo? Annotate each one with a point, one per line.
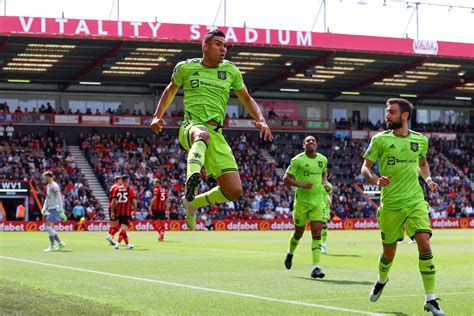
(395, 124)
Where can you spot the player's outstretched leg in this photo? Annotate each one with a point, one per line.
(294, 241)
(316, 230)
(114, 228)
(324, 236)
(52, 238)
(384, 268)
(428, 272)
(316, 273)
(229, 189)
(195, 162)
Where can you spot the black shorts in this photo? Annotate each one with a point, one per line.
(158, 215)
(124, 220)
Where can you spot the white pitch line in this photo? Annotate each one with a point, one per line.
(264, 298)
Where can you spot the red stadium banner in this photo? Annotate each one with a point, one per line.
(156, 31)
(221, 225)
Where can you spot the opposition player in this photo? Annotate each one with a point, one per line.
(327, 206)
(401, 153)
(114, 224)
(53, 210)
(123, 203)
(158, 206)
(307, 172)
(207, 82)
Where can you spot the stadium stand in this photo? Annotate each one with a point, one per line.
(26, 157)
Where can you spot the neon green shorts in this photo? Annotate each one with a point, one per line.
(312, 213)
(219, 157)
(414, 218)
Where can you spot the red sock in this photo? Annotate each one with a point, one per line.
(123, 234)
(120, 238)
(113, 231)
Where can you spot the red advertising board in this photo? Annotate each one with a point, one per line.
(221, 225)
(156, 31)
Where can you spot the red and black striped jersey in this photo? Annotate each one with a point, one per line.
(161, 197)
(113, 188)
(124, 196)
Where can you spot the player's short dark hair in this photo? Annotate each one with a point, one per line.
(211, 34)
(158, 182)
(125, 177)
(405, 106)
(117, 178)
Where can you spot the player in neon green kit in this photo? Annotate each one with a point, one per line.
(307, 172)
(327, 206)
(401, 153)
(206, 83)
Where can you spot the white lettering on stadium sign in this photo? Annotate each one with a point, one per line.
(425, 47)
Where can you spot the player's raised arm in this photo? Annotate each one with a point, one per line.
(254, 110)
(165, 101)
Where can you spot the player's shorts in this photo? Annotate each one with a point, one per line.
(124, 220)
(415, 218)
(219, 157)
(302, 213)
(158, 215)
(53, 216)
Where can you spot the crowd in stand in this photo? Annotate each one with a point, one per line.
(26, 157)
(265, 196)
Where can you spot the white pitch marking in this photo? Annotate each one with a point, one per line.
(264, 298)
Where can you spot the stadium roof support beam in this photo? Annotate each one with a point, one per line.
(447, 87)
(94, 64)
(299, 69)
(381, 76)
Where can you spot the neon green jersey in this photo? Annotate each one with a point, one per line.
(398, 157)
(206, 90)
(306, 169)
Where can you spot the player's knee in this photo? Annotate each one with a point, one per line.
(204, 135)
(298, 235)
(389, 254)
(234, 193)
(424, 245)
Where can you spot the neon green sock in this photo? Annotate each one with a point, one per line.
(324, 235)
(428, 272)
(196, 156)
(211, 197)
(316, 249)
(384, 268)
(293, 244)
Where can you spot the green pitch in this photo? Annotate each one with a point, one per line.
(225, 273)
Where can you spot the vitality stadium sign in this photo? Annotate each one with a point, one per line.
(156, 31)
(232, 225)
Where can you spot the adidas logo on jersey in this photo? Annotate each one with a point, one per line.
(196, 73)
(392, 146)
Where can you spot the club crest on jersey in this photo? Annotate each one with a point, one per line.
(414, 146)
(194, 83)
(320, 164)
(222, 75)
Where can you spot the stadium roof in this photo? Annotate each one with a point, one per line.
(60, 53)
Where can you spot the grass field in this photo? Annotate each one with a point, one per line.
(225, 273)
